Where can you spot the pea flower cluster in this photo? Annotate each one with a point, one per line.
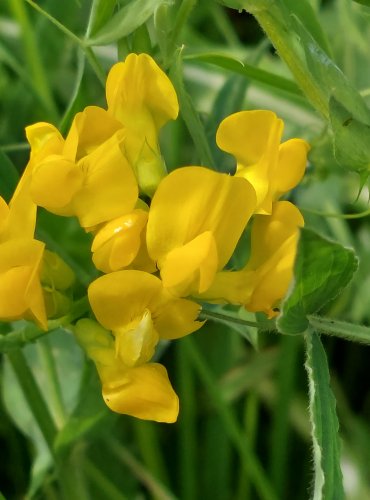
(160, 258)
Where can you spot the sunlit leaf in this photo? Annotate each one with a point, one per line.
(125, 21)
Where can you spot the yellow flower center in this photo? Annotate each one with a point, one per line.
(135, 343)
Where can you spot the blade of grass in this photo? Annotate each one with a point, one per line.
(33, 59)
(187, 440)
(251, 463)
(280, 432)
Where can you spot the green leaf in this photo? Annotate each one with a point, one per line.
(322, 269)
(351, 138)
(329, 77)
(190, 115)
(247, 70)
(328, 482)
(125, 21)
(8, 176)
(363, 2)
(307, 16)
(68, 360)
(101, 11)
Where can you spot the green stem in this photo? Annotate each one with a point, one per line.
(182, 15)
(102, 483)
(33, 397)
(156, 489)
(31, 332)
(251, 412)
(341, 329)
(281, 38)
(267, 325)
(250, 462)
(90, 56)
(359, 215)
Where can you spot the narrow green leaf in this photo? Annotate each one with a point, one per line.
(363, 2)
(351, 138)
(125, 21)
(9, 176)
(322, 269)
(101, 11)
(329, 77)
(305, 13)
(247, 70)
(328, 484)
(190, 115)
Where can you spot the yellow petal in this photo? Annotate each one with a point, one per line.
(20, 290)
(110, 188)
(117, 243)
(194, 264)
(193, 200)
(230, 287)
(121, 297)
(291, 165)
(247, 134)
(253, 137)
(136, 341)
(178, 318)
(274, 245)
(143, 392)
(55, 182)
(139, 83)
(44, 139)
(89, 129)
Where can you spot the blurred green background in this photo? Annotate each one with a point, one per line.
(243, 417)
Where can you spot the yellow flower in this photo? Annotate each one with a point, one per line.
(20, 290)
(253, 138)
(88, 174)
(265, 279)
(121, 243)
(142, 391)
(21, 294)
(195, 221)
(142, 98)
(139, 311)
